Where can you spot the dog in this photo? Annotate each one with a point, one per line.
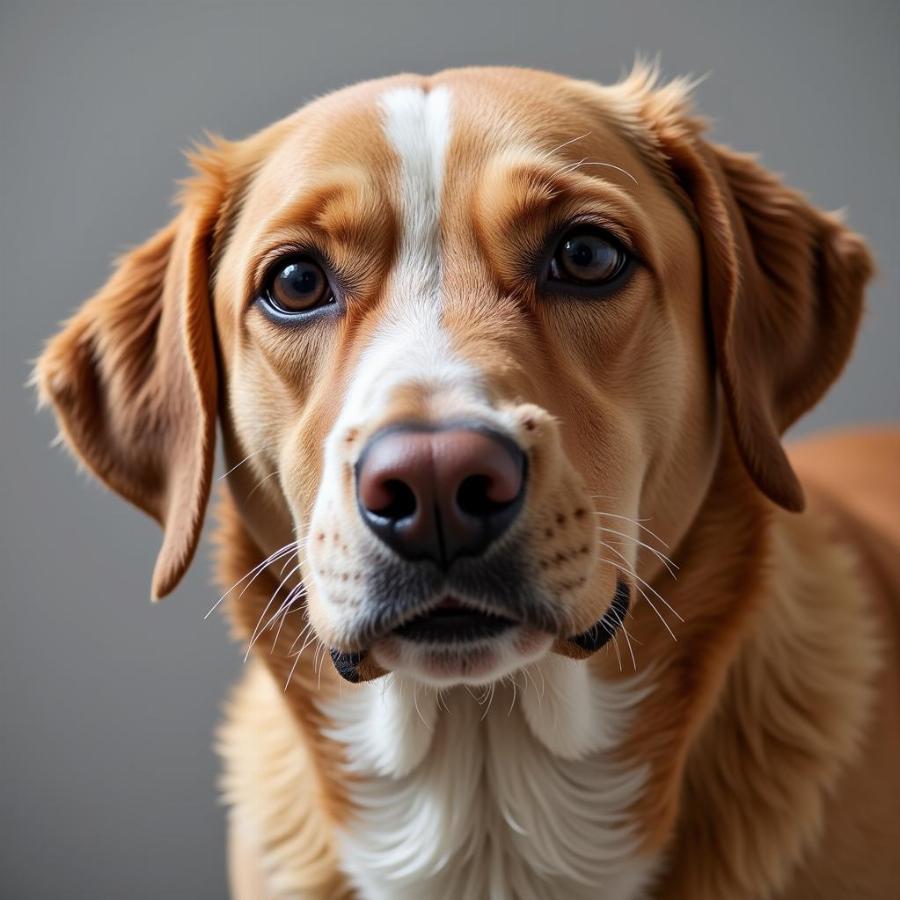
(536, 603)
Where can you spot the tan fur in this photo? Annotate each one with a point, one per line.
(772, 731)
(789, 717)
(271, 778)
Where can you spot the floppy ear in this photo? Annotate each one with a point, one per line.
(784, 284)
(132, 379)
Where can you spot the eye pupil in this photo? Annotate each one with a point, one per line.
(300, 280)
(580, 253)
(299, 286)
(588, 258)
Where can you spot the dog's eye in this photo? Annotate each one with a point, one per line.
(588, 258)
(297, 287)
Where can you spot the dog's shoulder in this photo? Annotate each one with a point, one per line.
(852, 478)
(852, 483)
(857, 469)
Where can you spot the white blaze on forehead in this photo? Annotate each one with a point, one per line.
(409, 346)
(418, 126)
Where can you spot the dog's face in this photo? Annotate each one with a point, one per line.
(471, 329)
(465, 343)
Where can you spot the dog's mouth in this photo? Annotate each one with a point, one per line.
(453, 622)
(456, 629)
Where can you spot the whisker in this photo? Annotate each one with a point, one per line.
(321, 663)
(290, 677)
(624, 543)
(607, 165)
(543, 682)
(262, 481)
(288, 609)
(571, 167)
(515, 694)
(662, 557)
(651, 604)
(630, 649)
(636, 522)
(248, 457)
(530, 681)
(284, 580)
(489, 696)
(255, 572)
(644, 583)
(306, 643)
(257, 630)
(416, 705)
(305, 633)
(659, 615)
(574, 140)
(621, 623)
(669, 565)
(286, 563)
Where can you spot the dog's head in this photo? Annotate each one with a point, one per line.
(462, 333)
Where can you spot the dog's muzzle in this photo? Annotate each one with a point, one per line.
(438, 498)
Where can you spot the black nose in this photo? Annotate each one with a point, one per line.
(440, 493)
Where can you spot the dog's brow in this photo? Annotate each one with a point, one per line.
(338, 202)
(539, 182)
(334, 199)
(656, 164)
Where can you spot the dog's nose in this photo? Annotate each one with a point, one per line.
(440, 493)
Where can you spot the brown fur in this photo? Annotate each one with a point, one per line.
(773, 730)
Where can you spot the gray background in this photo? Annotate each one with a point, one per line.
(109, 703)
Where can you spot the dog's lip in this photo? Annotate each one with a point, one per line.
(605, 628)
(587, 642)
(453, 621)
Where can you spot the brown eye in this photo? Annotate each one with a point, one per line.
(587, 258)
(298, 286)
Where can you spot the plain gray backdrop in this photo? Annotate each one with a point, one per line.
(109, 703)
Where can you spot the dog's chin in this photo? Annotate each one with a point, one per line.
(475, 660)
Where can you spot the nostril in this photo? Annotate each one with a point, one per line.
(397, 500)
(474, 497)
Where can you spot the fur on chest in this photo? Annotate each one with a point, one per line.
(510, 793)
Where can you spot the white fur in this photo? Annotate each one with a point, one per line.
(410, 346)
(520, 799)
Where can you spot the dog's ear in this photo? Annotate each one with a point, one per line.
(783, 283)
(132, 375)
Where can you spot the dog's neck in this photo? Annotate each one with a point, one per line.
(517, 786)
(662, 756)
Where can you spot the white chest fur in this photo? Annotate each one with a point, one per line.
(514, 798)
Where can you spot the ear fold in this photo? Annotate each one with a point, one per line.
(132, 380)
(784, 285)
